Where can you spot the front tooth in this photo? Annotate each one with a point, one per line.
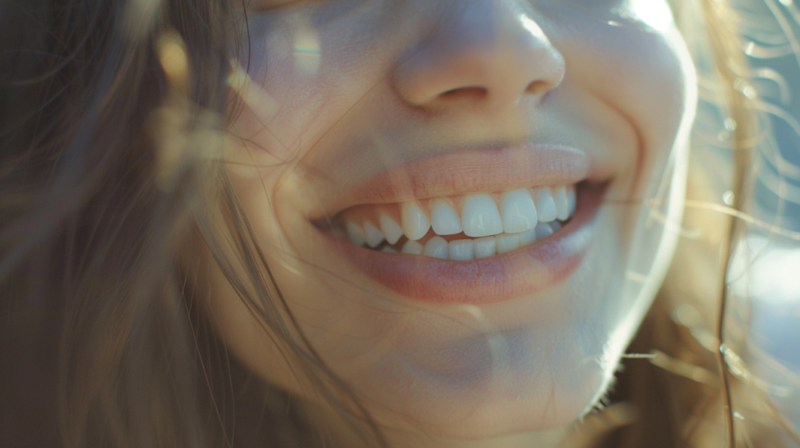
(444, 219)
(411, 247)
(480, 216)
(354, 234)
(571, 201)
(390, 228)
(436, 247)
(485, 247)
(519, 211)
(545, 206)
(507, 243)
(555, 225)
(388, 250)
(461, 250)
(562, 204)
(415, 222)
(543, 230)
(527, 237)
(373, 236)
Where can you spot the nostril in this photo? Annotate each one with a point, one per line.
(477, 92)
(466, 93)
(538, 87)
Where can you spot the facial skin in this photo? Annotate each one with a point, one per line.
(342, 91)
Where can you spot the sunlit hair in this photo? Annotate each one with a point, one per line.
(111, 128)
(696, 391)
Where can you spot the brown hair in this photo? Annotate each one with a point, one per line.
(97, 347)
(110, 113)
(106, 109)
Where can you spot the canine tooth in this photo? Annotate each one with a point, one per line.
(527, 237)
(436, 247)
(415, 222)
(444, 219)
(545, 206)
(354, 234)
(461, 250)
(571, 201)
(389, 250)
(390, 228)
(411, 247)
(543, 231)
(562, 205)
(480, 216)
(485, 247)
(373, 236)
(555, 225)
(519, 211)
(507, 243)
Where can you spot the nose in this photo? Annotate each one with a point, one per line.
(484, 51)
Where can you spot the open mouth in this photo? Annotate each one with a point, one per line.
(473, 226)
(460, 228)
(480, 249)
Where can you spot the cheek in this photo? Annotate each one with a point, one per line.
(311, 72)
(644, 77)
(284, 89)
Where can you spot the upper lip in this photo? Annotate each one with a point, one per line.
(471, 171)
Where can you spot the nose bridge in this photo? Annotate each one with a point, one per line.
(473, 22)
(487, 49)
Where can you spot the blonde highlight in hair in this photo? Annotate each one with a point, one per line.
(688, 383)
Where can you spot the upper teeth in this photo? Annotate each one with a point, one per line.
(519, 212)
(390, 229)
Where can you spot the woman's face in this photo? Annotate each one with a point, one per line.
(363, 121)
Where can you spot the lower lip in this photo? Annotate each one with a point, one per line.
(525, 271)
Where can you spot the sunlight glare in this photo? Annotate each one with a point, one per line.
(531, 26)
(654, 13)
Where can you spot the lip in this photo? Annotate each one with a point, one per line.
(468, 171)
(525, 271)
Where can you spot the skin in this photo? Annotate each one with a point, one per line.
(398, 81)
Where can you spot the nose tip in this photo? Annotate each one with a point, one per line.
(486, 55)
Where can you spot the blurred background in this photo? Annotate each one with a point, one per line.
(765, 270)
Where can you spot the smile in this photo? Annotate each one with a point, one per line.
(461, 228)
(430, 233)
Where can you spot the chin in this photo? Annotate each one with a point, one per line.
(491, 413)
(506, 384)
